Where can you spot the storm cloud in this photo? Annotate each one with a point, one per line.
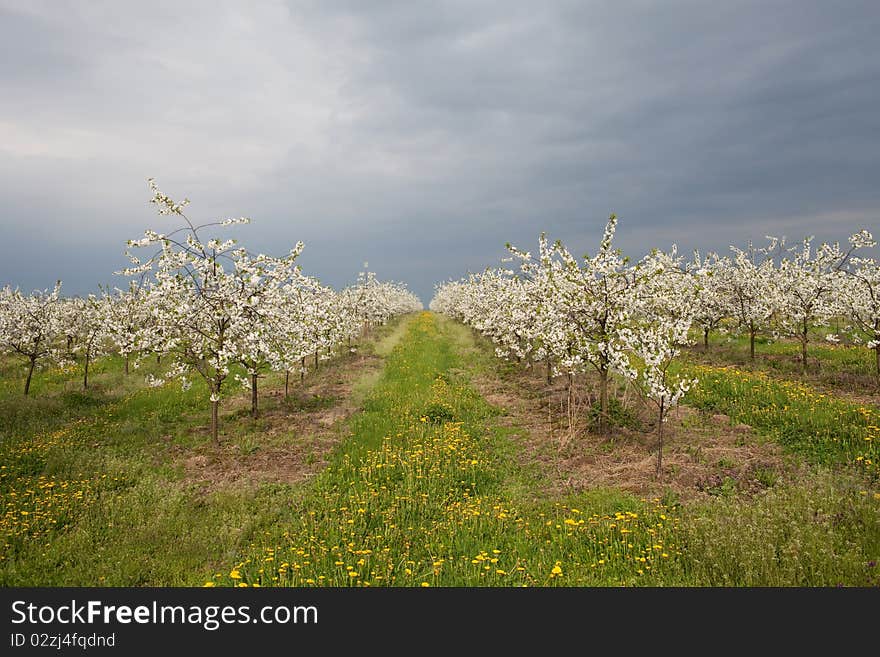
(421, 137)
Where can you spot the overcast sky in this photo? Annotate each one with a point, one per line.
(422, 136)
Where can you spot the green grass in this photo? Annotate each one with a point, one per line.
(422, 494)
(122, 516)
(821, 532)
(824, 428)
(91, 486)
(427, 488)
(427, 491)
(841, 366)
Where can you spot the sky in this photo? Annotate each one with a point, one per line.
(420, 137)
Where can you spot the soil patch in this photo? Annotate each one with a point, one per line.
(703, 454)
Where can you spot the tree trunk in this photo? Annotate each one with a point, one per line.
(660, 439)
(126, 364)
(158, 358)
(804, 347)
(287, 384)
(254, 395)
(877, 348)
(316, 360)
(215, 406)
(86, 369)
(603, 402)
(706, 339)
(570, 396)
(302, 370)
(27, 384)
(549, 371)
(752, 333)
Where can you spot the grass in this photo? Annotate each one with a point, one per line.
(426, 489)
(419, 495)
(843, 367)
(91, 487)
(427, 492)
(94, 501)
(824, 532)
(825, 429)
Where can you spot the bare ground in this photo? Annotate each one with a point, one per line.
(703, 454)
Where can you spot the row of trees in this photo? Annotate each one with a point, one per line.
(607, 314)
(204, 305)
(790, 291)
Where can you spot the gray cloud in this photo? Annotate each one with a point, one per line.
(422, 136)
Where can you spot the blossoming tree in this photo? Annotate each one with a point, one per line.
(199, 303)
(30, 324)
